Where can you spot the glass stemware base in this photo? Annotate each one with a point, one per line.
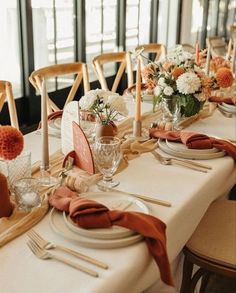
(107, 183)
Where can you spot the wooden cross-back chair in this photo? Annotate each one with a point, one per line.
(7, 94)
(78, 69)
(189, 48)
(124, 60)
(218, 46)
(159, 50)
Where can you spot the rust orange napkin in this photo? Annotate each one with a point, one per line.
(194, 140)
(91, 214)
(227, 100)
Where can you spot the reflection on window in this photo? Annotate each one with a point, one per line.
(53, 33)
(101, 26)
(137, 23)
(10, 66)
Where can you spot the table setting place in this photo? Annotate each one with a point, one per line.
(60, 186)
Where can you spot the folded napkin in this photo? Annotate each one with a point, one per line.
(195, 140)
(6, 207)
(52, 116)
(227, 100)
(91, 214)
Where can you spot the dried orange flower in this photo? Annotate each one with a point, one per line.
(224, 77)
(177, 71)
(218, 62)
(11, 142)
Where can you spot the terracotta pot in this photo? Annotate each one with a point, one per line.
(6, 207)
(104, 130)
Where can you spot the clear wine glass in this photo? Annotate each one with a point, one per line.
(107, 157)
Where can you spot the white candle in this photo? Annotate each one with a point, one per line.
(234, 57)
(44, 127)
(138, 93)
(30, 199)
(208, 59)
(229, 49)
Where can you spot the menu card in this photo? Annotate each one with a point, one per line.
(70, 114)
(83, 154)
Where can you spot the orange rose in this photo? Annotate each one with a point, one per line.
(11, 142)
(224, 77)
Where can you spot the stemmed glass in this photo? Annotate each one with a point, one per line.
(107, 157)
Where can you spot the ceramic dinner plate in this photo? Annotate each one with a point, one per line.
(193, 154)
(227, 108)
(59, 226)
(112, 201)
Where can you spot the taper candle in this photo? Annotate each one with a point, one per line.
(229, 49)
(197, 53)
(234, 57)
(138, 93)
(208, 59)
(44, 127)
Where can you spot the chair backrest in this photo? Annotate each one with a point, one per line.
(218, 46)
(121, 58)
(7, 94)
(78, 69)
(159, 50)
(189, 48)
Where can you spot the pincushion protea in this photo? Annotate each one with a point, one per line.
(224, 77)
(11, 142)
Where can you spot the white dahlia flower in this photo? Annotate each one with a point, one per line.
(168, 91)
(157, 91)
(188, 83)
(161, 82)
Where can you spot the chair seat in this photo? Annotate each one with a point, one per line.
(209, 239)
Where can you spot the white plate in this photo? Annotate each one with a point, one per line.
(112, 200)
(54, 126)
(180, 147)
(228, 109)
(58, 225)
(193, 156)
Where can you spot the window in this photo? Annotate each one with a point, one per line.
(53, 34)
(10, 45)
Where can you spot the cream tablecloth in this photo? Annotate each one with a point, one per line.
(131, 269)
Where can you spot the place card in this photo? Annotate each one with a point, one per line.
(83, 154)
(70, 114)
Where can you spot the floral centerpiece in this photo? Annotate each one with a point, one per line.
(179, 78)
(104, 104)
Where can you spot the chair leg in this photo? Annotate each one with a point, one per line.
(204, 282)
(199, 273)
(187, 274)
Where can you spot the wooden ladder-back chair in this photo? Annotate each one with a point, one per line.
(158, 49)
(78, 69)
(212, 247)
(124, 60)
(218, 46)
(7, 94)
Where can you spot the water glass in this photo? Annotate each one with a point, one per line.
(27, 194)
(107, 157)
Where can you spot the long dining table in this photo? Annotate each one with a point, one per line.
(131, 268)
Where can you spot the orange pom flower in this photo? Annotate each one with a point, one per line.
(224, 77)
(11, 142)
(177, 71)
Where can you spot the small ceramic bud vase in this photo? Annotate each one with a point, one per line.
(6, 207)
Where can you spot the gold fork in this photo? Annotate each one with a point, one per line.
(43, 254)
(33, 235)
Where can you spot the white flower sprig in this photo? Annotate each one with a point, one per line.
(104, 104)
